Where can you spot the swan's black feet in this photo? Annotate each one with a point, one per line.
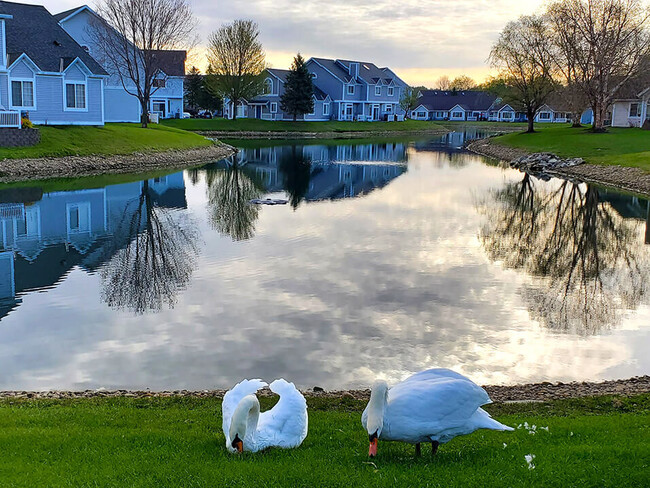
(417, 449)
(434, 447)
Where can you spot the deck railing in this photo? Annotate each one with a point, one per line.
(9, 119)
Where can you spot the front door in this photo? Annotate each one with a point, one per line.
(158, 107)
(349, 111)
(375, 112)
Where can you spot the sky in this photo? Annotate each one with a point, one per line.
(420, 40)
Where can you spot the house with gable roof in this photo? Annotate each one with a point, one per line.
(44, 73)
(267, 106)
(453, 105)
(119, 104)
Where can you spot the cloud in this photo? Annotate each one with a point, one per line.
(433, 37)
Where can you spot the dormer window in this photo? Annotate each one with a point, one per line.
(350, 90)
(378, 90)
(391, 90)
(267, 89)
(159, 83)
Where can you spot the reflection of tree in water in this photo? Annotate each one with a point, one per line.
(229, 193)
(153, 257)
(296, 173)
(591, 259)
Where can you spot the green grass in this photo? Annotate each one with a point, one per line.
(625, 147)
(220, 124)
(57, 141)
(178, 442)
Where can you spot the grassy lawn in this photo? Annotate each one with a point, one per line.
(625, 147)
(178, 442)
(238, 125)
(110, 139)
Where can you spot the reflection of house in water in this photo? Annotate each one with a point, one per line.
(44, 236)
(629, 207)
(340, 171)
(452, 141)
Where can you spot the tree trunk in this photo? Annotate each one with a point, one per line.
(234, 109)
(295, 116)
(599, 117)
(530, 114)
(144, 118)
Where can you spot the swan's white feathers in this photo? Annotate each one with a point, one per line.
(232, 398)
(286, 424)
(436, 404)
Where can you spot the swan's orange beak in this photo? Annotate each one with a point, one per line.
(372, 452)
(239, 446)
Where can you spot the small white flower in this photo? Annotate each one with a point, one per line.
(519, 426)
(571, 434)
(505, 445)
(545, 428)
(529, 460)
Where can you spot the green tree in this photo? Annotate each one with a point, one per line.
(237, 60)
(298, 96)
(409, 100)
(193, 85)
(462, 83)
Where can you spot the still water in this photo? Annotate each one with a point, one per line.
(387, 258)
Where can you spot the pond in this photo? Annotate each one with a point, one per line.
(388, 257)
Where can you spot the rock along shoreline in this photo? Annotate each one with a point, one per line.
(632, 180)
(533, 392)
(15, 170)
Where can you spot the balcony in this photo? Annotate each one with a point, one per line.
(9, 118)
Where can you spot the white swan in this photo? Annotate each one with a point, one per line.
(431, 406)
(246, 429)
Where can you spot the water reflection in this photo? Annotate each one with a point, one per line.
(588, 254)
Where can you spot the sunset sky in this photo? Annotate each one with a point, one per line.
(419, 39)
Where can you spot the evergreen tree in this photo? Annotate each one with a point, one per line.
(298, 90)
(193, 88)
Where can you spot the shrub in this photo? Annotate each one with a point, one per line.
(26, 123)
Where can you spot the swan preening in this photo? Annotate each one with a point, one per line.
(431, 406)
(246, 429)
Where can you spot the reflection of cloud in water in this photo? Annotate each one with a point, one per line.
(329, 295)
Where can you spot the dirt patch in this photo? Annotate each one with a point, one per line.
(621, 177)
(12, 170)
(528, 392)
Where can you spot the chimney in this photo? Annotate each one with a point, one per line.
(354, 70)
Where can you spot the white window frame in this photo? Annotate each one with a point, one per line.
(314, 76)
(388, 108)
(75, 83)
(273, 108)
(265, 84)
(350, 89)
(11, 93)
(326, 108)
(638, 109)
(421, 115)
(391, 91)
(377, 90)
(77, 206)
(545, 116)
(457, 115)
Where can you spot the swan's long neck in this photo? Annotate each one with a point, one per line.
(377, 407)
(244, 421)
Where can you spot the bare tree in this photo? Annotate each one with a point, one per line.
(409, 100)
(605, 44)
(237, 60)
(443, 83)
(525, 62)
(462, 82)
(130, 35)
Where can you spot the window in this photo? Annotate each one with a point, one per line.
(350, 90)
(391, 90)
(457, 115)
(378, 90)
(388, 109)
(326, 109)
(544, 116)
(274, 107)
(22, 93)
(314, 76)
(421, 115)
(75, 96)
(635, 110)
(78, 217)
(159, 83)
(86, 48)
(267, 89)
(29, 226)
(158, 106)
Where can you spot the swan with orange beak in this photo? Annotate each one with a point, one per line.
(431, 406)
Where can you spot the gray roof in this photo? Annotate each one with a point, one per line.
(62, 15)
(280, 73)
(447, 99)
(368, 72)
(171, 62)
(36, 33)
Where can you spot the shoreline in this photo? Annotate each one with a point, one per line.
(35, 169)
(530, 392)
(623, 178)
(295, 135)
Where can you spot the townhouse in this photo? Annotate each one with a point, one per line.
(343, 90)
(453, 105)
